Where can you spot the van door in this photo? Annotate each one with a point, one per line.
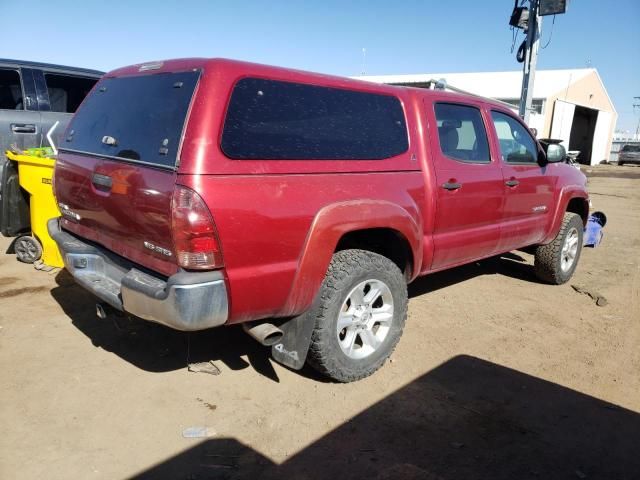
(529, 187)
(469, 185)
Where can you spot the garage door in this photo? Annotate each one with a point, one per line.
(562, 121)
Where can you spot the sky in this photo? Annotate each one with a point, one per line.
(329, 36)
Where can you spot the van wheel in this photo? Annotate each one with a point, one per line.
(555, 262)
(360, 312)
(28, 249)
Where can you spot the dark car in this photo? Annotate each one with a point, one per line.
(33, 96)
(629, 154)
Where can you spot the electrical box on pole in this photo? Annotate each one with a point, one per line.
(529, 20)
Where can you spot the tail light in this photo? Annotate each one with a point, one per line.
(195, 238)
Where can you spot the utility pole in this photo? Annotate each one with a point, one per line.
(531, 57)
(637, 105)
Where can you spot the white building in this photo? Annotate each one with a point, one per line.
(572, 105)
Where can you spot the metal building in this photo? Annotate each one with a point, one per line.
(572, 105)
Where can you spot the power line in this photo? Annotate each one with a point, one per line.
(550, 33)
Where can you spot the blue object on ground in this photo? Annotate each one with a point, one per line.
(593, 233)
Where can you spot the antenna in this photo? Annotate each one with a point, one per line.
(364, 59)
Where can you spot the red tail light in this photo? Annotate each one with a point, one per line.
(195, 238)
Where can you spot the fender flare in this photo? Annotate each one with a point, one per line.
(328, 226)
(567, 194)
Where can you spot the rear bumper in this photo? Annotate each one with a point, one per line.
(185, 301)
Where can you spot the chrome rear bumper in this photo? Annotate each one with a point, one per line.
(184, 301)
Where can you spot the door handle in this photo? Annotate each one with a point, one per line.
(102, 181)
(451, 186)
(512, 183)
(23, 128)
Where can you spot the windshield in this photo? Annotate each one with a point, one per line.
(134, 118)
(631, 148)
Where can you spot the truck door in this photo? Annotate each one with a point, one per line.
(529, 187)
(19, 126)
(19, 116)
(469, 185)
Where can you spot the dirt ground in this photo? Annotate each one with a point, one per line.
(496, 376)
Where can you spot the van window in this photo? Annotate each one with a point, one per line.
(67, 92)
(275, 120)
(516, 143)
(10, 90)
(134, 118)
(461, 133)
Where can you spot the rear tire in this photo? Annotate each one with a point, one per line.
(620, 164)
(555, 262)
(28, 249)
(359, 314)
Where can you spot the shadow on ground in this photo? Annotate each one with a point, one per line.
(510, 264)
(156, 348)
(467, 419)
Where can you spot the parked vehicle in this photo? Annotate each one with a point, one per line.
(33, 96)
(629, 154)
(197, 193)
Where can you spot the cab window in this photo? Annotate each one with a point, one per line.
(461, 133)
(516, 143)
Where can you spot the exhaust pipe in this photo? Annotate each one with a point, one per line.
(265, 333)
(101, 311)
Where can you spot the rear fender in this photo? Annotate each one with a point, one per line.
(328, 226)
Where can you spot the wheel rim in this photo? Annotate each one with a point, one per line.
(569, 250)
(365, 319)
(26, 249)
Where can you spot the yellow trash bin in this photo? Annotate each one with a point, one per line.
(34, 174)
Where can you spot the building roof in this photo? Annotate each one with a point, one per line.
(503, 85)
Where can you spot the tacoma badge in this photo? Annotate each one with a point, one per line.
(158, 249)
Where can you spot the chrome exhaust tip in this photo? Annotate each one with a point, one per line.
(265, 333)
(101, 311)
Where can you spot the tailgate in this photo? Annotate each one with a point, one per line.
(115, 173)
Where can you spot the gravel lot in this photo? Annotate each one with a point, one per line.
(497, 376)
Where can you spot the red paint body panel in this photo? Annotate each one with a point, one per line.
(279, 221)
(136, 209)
(278, 232)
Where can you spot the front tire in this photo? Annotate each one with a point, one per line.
(359, 313)
(555, 262)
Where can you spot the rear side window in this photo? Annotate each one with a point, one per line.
(134, 118)
(67, 92)
(275, 120)
(10, 90)
(461, 133)
(631, 148)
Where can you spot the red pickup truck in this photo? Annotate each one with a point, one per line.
(204, 192)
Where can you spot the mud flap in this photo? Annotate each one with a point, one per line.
(293, 348)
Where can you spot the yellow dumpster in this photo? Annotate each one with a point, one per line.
(34, 174)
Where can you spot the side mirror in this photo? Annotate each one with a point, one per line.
(556, 153)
